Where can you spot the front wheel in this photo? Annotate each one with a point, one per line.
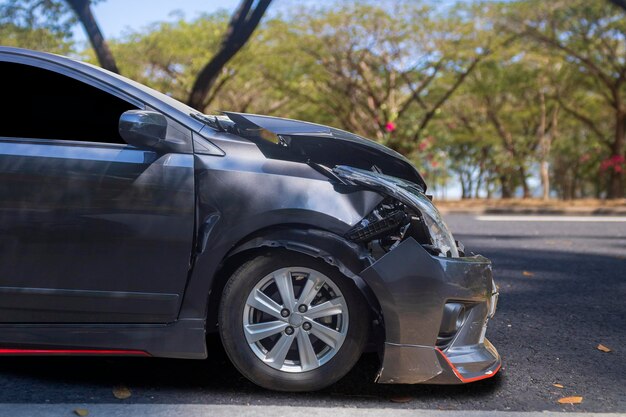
(290, 322)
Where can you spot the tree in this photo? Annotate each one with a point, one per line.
(382, 72)
(57, 17)
(242, 24)
(494, 93)
(589, 36)
(12, 35)
(168, 56)
(82, 8)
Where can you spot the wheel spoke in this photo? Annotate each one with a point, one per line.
(259, 331)
(325, 318)
(308, 358)
(279, 352)
(328, 308)
(285, 288)
(262, 302)
(326, 334)
(313, 284)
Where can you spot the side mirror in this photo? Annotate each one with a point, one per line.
(143, 128)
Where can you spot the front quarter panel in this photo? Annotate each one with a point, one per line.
(243, 192)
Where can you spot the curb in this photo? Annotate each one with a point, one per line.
(592, 211)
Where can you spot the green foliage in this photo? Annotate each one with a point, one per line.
(40, 39)
(482, 93)
(53, 16)
(44, 25)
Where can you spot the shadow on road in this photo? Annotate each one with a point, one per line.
(215, 380)
(547, 327)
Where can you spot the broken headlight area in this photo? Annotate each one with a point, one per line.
(389, 224)
(406, 212)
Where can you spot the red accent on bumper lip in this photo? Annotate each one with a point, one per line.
(466, 380)
(94, 352)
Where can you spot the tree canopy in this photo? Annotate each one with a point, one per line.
(511, 98)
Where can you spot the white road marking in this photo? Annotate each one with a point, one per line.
(523, 218)
(193, 410)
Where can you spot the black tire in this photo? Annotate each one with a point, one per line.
(231, 327)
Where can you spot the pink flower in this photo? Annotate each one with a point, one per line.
(617, 159)
(615, 162)
(390, 127)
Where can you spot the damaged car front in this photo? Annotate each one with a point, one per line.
(435, 301)
(432, 300)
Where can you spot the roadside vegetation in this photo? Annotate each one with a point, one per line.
(508, 99)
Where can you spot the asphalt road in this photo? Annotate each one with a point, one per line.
(549, 321)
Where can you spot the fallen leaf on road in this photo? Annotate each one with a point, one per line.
(558, 385)
(401, 399)
(121, 392)
(81, 412)
(570, 400)
(603, 348)
(528, 273)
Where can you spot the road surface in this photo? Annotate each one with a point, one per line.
(563, 292)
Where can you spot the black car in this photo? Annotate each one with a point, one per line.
(131, 224)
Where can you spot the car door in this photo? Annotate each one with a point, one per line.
(92, 230)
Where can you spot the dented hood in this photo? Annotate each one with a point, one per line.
(309, 142)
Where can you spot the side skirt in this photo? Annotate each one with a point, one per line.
(183, 339)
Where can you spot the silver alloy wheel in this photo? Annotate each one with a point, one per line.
(317, 319)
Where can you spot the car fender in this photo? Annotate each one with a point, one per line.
(242, 196)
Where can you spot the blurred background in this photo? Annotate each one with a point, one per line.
(489, 99)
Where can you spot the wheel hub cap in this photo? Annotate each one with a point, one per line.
(282, 342)
(296, 320)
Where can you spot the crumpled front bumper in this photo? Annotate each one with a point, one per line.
(412, 288)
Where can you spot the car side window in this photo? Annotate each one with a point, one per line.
(43, 104)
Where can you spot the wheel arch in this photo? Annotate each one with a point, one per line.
(348, 257)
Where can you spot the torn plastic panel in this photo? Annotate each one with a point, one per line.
(294, 140)
(413, 289)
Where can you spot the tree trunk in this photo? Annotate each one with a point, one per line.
(82, 8)
(545, 179)
(479, 182)
(544, 147)
(463, 187)
(241, 26)
(616, 176)
(506, 188)
(522, 174)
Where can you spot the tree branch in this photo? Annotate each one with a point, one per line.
(241, 26)
(581, 117)
(431, 113)
(82, 8)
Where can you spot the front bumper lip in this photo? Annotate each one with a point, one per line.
(484, 362)
(412, 288)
